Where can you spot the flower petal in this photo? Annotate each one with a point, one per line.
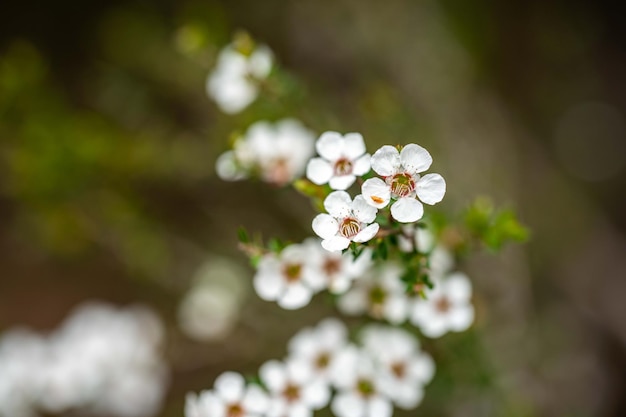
(415, 159)
(335, 243)
(461, 317)
(325, 226)
(376, 192)
(255, 400)
(338, 204)
(319, 171)
(367, 233)
(354, 302)
(364, 212)
(407, 210)
(422, 368)
(386, 161)
(341, 182)
(226, 167)
(458, 287)
(268, 285)
(296, 296)
(230, 386)
(348, 405)
(379, 407)
(354, 146)
(431, 188)
(260, 62)
(330, 146)
(316, 394)
(362, 165)
(274, 375)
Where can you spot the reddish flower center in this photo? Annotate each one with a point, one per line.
(291, 392)
(343, 167)
(398, 369)
(235, 410)
(332, 266)
(322, 361)
(292, 272)
(443, 305)
(402, 184)
(349, 227)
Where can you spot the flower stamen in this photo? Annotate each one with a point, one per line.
(343, 167)
(402, 184)
(350, 227)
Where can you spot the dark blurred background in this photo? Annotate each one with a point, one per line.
(108, 191)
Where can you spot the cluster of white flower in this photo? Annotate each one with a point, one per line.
(381, 293)
(387, 368)
(234, 83)
(301, 270)
(101, 361)
(277, 153)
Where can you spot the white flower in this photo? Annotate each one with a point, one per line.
(319, 347)
(380, 293)
(359, 387)
(447, 307)
(343, 158)
(338, 270)
(402, 181)
(347, 221)
(229, 398)
(404, 368)
(277, 152)
(294, 392)
(211, 307)
(233, 84)
(289, 278)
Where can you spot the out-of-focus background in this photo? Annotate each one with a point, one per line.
(108, 189)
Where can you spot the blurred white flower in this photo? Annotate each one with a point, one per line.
(319, 347)
(359, 385)
(380, 293)
(440, 259)
(277, 153)
(343, 158)
(290, 278)
(230, 397)
(338, 270)
(347, 221)
(211, 307)
(101, 360)
(400, 171)
(404, 369)
(294, 392)
(233, 84)
(446, 308)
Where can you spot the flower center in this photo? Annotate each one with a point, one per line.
(402, 184)
(235, 410)
(322, 361)
(332, 266)
(377, 295)
(343, 167)
(292, 272)
(443, 305)
(291, 392)
(365, 387)
(398, 369)
(278, 172)
(349, 227)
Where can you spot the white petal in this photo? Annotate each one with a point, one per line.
(386, 161)
(341, 182)
(396, 309)
(319, 171)
(363, 211)
(298, 410)
(362, 165)
(458, 287)
(431, 188)
(407, 396)
(407, 210)
(348, 405)
(330, 145)
(367, 233)
(461, 317)
(260, 62)
(339, 285)
(376, 192)
(435, 326)
(226, 167)
(354, 302)
(268, 285)
(415, 159)
(325, 226)
(379, 407)
(316, 395)
(424, 240)
(230, 386)
(422, 368)
(338, 204)
(255, 400)
(354, 145)
(296, 296)
(274, 375)
(192, 408)
(335, 243)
